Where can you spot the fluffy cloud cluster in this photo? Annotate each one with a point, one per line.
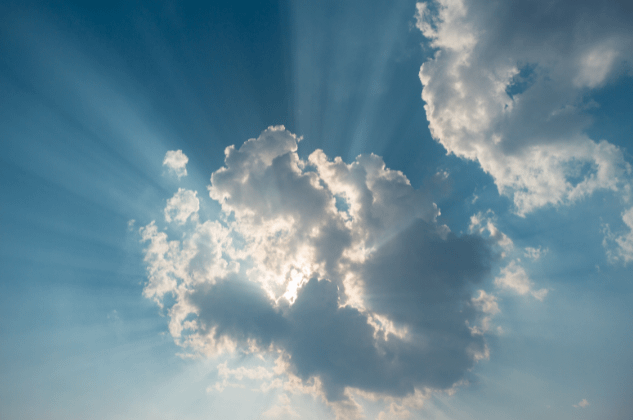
(181, 206)
(341, 268)
(507, 87)
(176, 161)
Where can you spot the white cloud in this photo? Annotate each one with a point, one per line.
(483, 223)
(535, 253)
(159, 268)
(195, 260)
(487, 304)
(506, 88)
(372, 295)
(181, 206)
(259, 373)
(514, 278)
(176, 161)
(241, 372)
(620, 247)
(625, 241)
(582, 404)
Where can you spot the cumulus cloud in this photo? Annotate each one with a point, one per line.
(176, 162)
(507, 86)
(339, 267)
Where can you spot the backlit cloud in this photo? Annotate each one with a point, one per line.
(339, 268)
(507, 86)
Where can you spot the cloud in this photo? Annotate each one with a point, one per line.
(625, 241)
(181, 206)
(507, 87)
(176, 161)
(342, 269)
(487, 304)
(239, 373)
(485, 222)
(535, 253)
(514, 278)
(582, 404)
(400, 409)
(283, 409)
(620, 247)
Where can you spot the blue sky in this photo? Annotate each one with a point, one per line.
(297, 210)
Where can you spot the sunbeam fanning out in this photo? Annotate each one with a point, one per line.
(436, 224)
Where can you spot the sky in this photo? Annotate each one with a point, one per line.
(332, 210)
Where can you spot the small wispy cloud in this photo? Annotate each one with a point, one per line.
(513, 277)
(620, 247)
(582, 404)
(484, 223)
(535, 253)
(282, 410)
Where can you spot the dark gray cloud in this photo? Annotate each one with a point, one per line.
(418, 279)
(239, 309)
(422, 279)
(338, 345)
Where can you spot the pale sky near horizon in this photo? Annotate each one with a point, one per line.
(332, 210)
